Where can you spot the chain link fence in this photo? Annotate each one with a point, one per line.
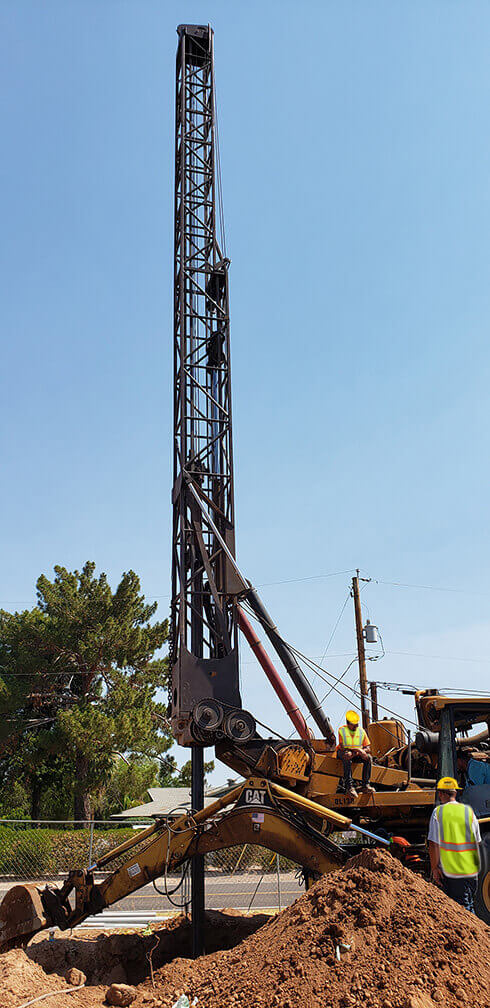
(243, 877)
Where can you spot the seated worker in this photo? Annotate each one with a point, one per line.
(354, 747)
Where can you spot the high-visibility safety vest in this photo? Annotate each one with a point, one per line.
(458, 849)
(352, 740)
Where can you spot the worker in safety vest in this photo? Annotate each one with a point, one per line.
(454, 839)
(354, 747)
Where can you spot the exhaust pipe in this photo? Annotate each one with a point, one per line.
(428, 741)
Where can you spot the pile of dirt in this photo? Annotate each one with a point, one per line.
(124, 958)
(402, 944)
(107, 959)
(372, 934)
(21, 979)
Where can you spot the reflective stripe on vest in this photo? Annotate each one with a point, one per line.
(458, 848)
(349, 738)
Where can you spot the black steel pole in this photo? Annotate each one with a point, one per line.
(197, 865)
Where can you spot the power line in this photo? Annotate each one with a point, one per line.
(339, 617)
(344, 673)
(316, 577)
(329, 691)
(313, 577)
(335, 654)
(437, 588)
(352, 689)
(330, 639)
(459, 658)
(313, 658)
(268, 584)
(322, 673)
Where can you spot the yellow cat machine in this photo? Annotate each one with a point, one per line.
(288, 803)
(290, 800)
(257, 811)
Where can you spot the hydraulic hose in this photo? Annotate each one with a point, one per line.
(274, 678)
(290, 663)
(284, 652)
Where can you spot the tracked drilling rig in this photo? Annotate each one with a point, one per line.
(289, 800)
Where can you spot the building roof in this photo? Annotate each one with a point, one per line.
(168, 800)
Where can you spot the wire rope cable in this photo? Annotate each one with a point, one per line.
(313, 666)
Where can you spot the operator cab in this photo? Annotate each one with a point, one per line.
(457, 730)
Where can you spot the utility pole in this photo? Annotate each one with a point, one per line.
(361, 655)
(373, 689)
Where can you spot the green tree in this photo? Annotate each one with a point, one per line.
(172, 776)
(126, 786)
(31, 766)
(30, 756)
(83, 660)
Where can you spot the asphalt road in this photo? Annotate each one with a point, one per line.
(221, 891)
(226, 891)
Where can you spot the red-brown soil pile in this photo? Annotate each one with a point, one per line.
(410, 947)
(124, 958)
(110, 958)
(21, 979)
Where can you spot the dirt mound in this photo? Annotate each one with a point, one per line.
(401, 942)
(22, 979)
(124, 958)
(110, 959)
(409, 947)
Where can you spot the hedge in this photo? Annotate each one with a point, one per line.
(30, 853)
(27, 853)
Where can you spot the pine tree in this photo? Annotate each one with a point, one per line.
(83, 663)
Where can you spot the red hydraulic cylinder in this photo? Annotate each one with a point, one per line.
(274, 678)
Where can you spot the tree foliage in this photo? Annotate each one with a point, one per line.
(127, 785)
(172, 776)
(79, 681)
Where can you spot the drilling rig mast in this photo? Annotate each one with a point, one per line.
(205, 701)
(204, 651)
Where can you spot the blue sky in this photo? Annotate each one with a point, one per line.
(356, 174)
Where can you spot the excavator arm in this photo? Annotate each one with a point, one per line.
(257, 811)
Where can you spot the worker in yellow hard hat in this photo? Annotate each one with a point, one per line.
(454, 845)
(354, 747)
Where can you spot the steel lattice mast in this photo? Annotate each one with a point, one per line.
(204, 627)
(205, 703)
(205, 700)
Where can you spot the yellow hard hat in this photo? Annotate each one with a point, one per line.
(448, 784)
(352, 716)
